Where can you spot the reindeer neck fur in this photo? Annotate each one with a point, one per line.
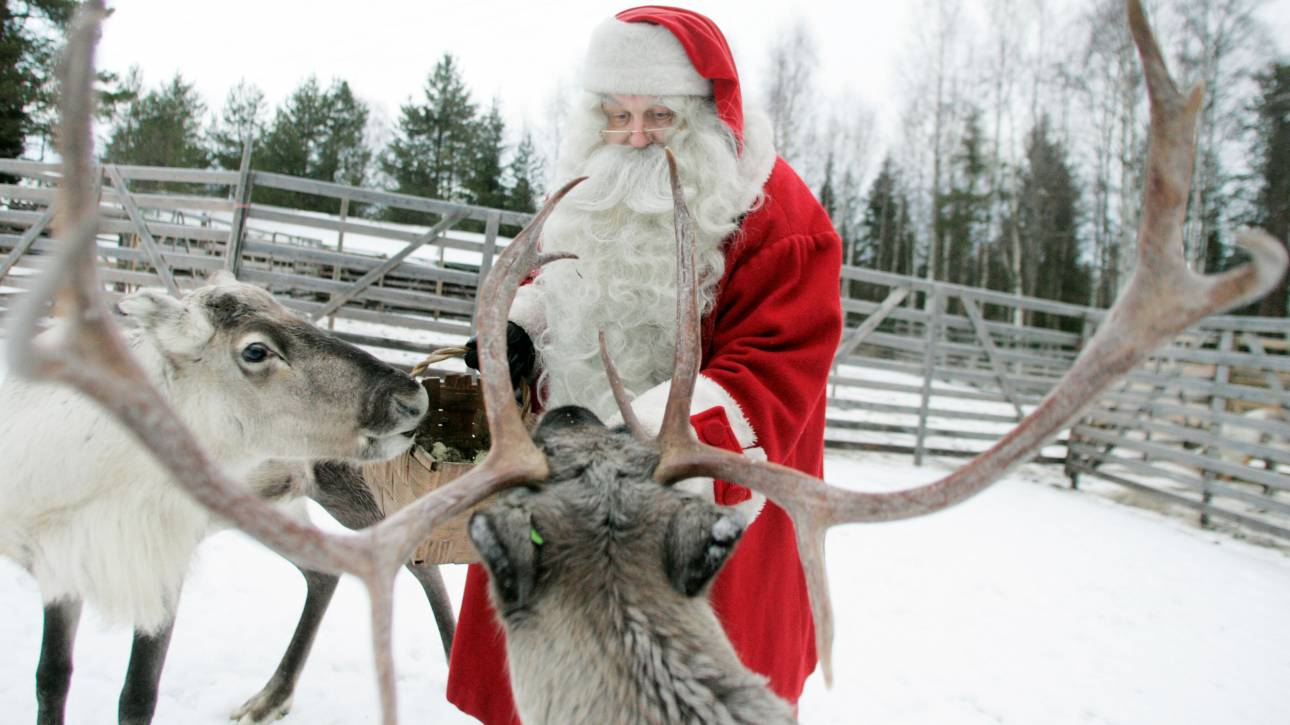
(603, 635)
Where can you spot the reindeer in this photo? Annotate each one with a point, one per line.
(672, 670)
(94, 518)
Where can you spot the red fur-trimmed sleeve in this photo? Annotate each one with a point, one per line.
(773, 335)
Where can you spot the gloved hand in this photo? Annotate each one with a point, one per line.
(519, 354)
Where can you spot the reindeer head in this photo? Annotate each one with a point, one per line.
(242, 369)
(599, 521)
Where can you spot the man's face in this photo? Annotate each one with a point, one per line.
(637, 121)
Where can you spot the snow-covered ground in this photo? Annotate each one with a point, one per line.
(1031, 603)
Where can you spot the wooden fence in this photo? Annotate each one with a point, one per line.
(924, 368)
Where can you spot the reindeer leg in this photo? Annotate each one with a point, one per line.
(339, 488)
(274, 700)
(54, 671)
(147, 657)
(437, 594)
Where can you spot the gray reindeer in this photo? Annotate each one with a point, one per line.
(598, 565)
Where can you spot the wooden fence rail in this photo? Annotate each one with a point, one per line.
(925, 368)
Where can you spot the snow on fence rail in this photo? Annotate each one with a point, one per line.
(923, 367)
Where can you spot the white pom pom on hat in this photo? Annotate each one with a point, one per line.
(640, 59)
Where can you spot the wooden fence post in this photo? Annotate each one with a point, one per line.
(486, 255)
(929, 368)
(339, 300)
(150, 246)
(992, 354)
(28, 238)
(1217, 404)
(241, 200)
(340, 247)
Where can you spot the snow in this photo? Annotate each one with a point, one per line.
(1031, 603)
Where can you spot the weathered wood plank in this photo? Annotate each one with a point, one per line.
(853, 340)
(275, 214)
(366, 280)
(141, 228)
(1000, 370)
(929, 371)
(244, 185)
(27, 239)
(1243, 520)
(1160, 452)
(427, 301)
(385, 198)
(489, 250)
(166, 173)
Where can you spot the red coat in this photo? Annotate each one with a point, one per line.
(769, 343)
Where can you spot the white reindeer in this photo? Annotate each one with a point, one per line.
(93, 516)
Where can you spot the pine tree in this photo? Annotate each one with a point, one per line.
(482, 183)
(1047, 222)
(241, 119)
(161, 128)
(525, 172)
(315, 134)
(827, 196)
(884, 239)
(29, 35)
(1272, 170)
(343, 156)
(963, 208)
(431, 150)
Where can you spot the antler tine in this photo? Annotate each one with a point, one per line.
(675, 435)
(620, 394)
(1162, 299)
(512, 457)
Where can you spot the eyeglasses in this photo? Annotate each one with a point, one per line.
(620, 133)
(618, 123)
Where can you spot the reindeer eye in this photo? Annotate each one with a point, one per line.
(256, 352)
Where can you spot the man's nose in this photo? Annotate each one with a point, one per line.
(637, 136)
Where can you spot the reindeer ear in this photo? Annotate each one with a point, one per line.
(699, 539)
(170, 322)
(220, 277)
(507, 543)
(149, 307)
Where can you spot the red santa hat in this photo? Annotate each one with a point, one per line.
(654, 50)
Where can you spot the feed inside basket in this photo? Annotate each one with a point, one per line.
(451, 438)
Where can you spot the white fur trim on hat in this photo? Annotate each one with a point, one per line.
(640, 59)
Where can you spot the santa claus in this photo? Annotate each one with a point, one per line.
(768, 263)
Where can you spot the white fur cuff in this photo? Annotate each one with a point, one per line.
(528, 312)
(649, 407)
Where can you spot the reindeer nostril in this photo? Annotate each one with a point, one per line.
(410, 410)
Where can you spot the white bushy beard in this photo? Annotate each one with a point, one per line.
(620, 224)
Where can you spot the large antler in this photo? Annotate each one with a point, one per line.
(1162, 299)
(89, 354)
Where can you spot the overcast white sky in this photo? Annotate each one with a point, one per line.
(517, 50)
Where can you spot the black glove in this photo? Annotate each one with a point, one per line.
(520, 354)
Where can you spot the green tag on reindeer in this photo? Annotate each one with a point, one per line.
(536, 537)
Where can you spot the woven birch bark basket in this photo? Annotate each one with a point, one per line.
(451, 438)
